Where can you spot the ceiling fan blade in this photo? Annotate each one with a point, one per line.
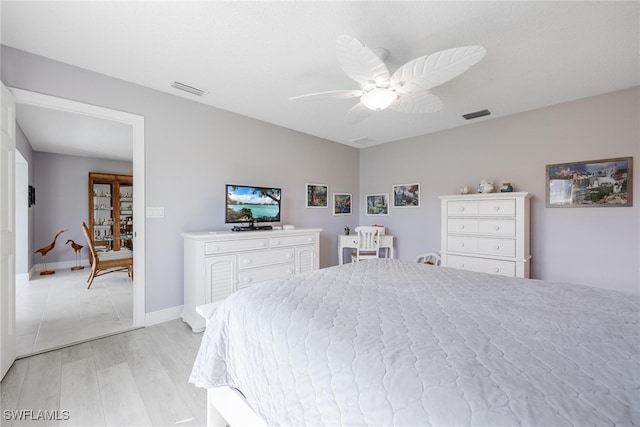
(417, 103)
(430, 71)
(334, 94)
(358, 113)
(360, 62)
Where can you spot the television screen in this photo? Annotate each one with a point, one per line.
(252, 204)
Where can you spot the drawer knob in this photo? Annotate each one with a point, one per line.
(461, 265)
(461, 208)
(496, 227)
(461, 226)
(247, 279)
(497, 270)
(497, 247)
(289, 271)
(310, 239)
(496, 208)
(247, 261)
(289, 255)
(276, 242)
(461, 245)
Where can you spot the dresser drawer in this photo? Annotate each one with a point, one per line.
(212, 248)
(462, 208)
(492, 266)
(462, 244)
(255, 275)
(462, 226)
(497, 207)
(261, 258)
(481, 245)
(292, 240)
(489, 227)
(497, 227)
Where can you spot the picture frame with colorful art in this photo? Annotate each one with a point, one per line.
(342, 203)
(317, 195)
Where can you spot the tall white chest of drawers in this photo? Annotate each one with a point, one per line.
(488, 233)
(216, 264)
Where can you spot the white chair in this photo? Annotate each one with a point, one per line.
(431, 258)
(368, 244)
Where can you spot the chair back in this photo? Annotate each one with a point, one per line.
(368, 243)
(87, 236)
(430, 258)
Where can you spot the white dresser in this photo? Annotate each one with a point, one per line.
(488, 233)
(216, 264)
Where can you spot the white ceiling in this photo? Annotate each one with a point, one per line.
(251, 56)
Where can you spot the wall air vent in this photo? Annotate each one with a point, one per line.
(192, 90)
(476, 114)
(362, 141)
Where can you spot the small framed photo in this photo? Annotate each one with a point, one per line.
(378, 204)
(406, 195)
(317, 196)
(342, 203)
(592, 183)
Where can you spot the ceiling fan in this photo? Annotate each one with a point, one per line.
(404, 91)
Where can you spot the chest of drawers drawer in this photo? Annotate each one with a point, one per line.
(465, 208)
(258, 259)
(212, 248)
(489, 227)
(480, 245)
(492, 266)
(255, 275)
(292, 240)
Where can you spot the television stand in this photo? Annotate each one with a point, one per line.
(251, 227)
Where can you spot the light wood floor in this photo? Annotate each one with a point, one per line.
(138, 378)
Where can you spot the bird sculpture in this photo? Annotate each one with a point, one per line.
(76, 247)
(44, 250)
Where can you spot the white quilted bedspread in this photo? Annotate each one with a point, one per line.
(385, 342)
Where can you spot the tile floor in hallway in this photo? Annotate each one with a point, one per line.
(58, 309)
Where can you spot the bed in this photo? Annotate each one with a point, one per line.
(387, 342)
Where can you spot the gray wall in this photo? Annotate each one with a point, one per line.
(592, 246)
(191, 151)
(62, 191)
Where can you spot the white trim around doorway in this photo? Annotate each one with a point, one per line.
(137, 122)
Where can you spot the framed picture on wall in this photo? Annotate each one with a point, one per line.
(342, 203)
(377, 204)
(591, 183)
(317, 196)
(406, 195)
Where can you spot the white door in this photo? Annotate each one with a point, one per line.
(7, 233)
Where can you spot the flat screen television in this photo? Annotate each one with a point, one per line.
(247, 204)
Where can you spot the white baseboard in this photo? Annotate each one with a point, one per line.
(58, 265)
(165, 315)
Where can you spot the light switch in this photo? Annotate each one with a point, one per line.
(155, 212)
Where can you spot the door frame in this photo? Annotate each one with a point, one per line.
(137, 122)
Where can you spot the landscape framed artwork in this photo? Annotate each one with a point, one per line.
(406, 195)
(377, 204)
(317, 196)
(591, 183)
(342, 203)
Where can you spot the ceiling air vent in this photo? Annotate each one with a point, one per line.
(362, 141)
(187, 88)
(476, 114)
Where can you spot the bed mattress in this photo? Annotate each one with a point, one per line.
(386, 342)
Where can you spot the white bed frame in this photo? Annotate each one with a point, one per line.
(226, 406)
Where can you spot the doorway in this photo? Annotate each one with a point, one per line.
(136, 124)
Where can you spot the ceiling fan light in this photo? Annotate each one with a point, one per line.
(378, 99)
